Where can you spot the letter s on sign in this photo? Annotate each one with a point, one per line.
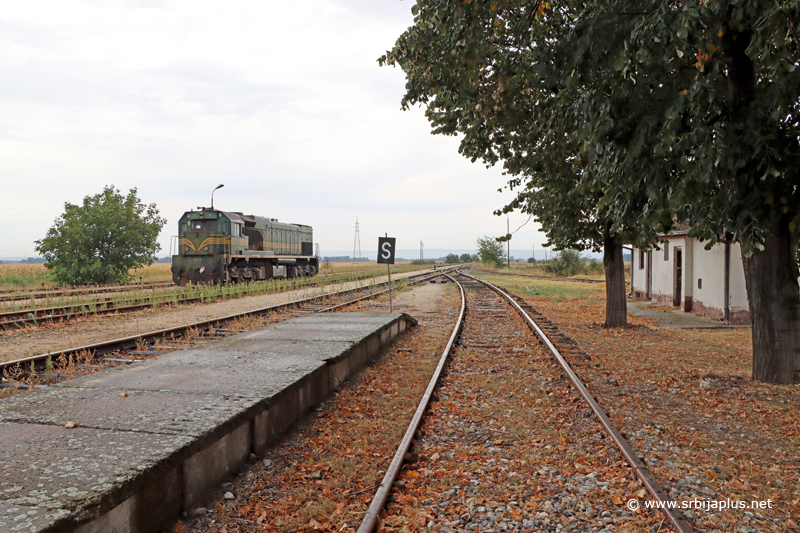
(386, 249)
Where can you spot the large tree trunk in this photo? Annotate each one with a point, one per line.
(774, 298)
(616, 304)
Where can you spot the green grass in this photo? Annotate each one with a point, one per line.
(559, 290)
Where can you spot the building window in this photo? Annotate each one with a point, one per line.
(641, 259)
(699, 283)
(666, 251)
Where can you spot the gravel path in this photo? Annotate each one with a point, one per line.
(108, 327)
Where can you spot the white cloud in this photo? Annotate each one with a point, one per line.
(283, 102)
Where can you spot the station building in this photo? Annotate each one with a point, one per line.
(682, 273)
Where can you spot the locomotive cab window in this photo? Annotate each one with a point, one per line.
(225, 230)
(211, 224)
(197, 224)
(184, 228)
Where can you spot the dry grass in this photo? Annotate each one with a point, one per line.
(154, 272)
(15, 276)
(23, 276)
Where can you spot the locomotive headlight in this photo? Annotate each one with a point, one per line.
(206, 248)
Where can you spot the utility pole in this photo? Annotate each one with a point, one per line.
(357, 243)
(508, 231)
(533, 251)
(420, 250)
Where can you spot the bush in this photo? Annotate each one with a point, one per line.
(568, 263)
(451, 259)
(595, 268)
(102, 240)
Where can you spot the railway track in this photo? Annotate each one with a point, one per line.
(44, 369)
(39, 294)
(35, 317)
(506, 350)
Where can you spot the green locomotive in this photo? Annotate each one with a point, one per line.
(223, 247)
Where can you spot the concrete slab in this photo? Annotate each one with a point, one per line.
(238, 377)
(79, 469)
(154, 436)
(676, 318)
(164, 412)
(21, 518)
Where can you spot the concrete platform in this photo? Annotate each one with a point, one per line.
(153, 437)
(676, 318)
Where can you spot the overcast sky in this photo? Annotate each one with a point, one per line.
(283, 102)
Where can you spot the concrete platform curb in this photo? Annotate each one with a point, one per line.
(155, 436)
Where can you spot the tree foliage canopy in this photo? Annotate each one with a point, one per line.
(101, 240)
(491, 252)
(618, 118)
(630, 111)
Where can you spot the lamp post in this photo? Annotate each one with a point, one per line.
(221, 185)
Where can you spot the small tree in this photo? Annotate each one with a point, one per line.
(465, 258)
(451, 259)
(568, 263)
(491, 251)
(100, 241)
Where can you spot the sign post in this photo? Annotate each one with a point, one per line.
(386, 255)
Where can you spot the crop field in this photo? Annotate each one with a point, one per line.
(24, 276)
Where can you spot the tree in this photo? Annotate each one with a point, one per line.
(666, 111)
(490, 251)
(701, 104)
(476, 67)
(465, 258)
(100, 241)
(451, 259)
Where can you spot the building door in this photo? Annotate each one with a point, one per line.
(678, 276)
(649, 275)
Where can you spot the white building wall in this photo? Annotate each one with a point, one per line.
(740, 307)
(709, 280)
(639, 270)
(703, 278)
(663, 271)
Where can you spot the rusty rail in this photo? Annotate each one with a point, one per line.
(651, 484)
(379, 500)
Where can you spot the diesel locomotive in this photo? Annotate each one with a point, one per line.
(222, 247)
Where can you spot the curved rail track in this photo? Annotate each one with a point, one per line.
(486, 301)
(38, 369)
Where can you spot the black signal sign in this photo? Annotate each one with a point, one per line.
(386, 250)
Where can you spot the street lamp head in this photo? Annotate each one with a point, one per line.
(212, 193)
